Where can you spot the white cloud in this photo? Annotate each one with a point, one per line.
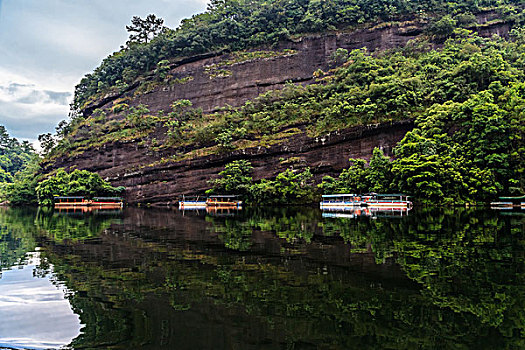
(50, 45)
(27, 109)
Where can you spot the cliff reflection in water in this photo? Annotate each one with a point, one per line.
(289, 278)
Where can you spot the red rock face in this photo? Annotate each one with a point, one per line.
(123, 163)
(162, 184)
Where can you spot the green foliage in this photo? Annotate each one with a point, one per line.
(163, 67)
(14, 155)
(143, 31)
(476, 161)
(234, 179)
(23, 189)
(458, 152)
(339, 57)
(237, 25)
(18, 165)
(379, 173)
(444, 27)
(139, 118)
(289, 187)
(76, 183)
(360, 177)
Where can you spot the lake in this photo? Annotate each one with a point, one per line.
(262, 278)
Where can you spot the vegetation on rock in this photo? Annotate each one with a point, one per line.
(76, 183)
(237, 25)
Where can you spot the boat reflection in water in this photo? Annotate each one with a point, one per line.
(212, 210)
(218, 205)
(85, 210)
(373, 205)
(373, 212)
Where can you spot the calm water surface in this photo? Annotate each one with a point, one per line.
(262, 279)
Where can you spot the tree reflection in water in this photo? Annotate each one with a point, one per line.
(288, 278)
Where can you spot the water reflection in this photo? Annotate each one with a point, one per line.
(288, 278)
(354, 212)
(35, 313)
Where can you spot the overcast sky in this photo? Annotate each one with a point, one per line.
(46, 47)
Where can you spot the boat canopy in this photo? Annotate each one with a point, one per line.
(225, 196)
(191, 196)
(69, 197)
(339, 195)
(517, 198)
(392, 195)
(98, 199)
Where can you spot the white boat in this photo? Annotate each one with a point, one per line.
(192, 203)
(343, 201)
(388, 201)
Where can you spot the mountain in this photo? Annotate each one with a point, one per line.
(170, 124)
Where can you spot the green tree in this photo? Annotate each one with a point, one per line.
(379, 173)
(143, 31)
(77, 183)
(234, 179)
(47, 142)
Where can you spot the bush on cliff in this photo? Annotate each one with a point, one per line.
(76, 183)
(458, 152)
(288, 187)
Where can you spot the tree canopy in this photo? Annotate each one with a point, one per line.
(143, 31)
(241, 24)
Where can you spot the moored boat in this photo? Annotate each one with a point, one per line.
(340, 201)
(65, 202)
(107, 203)
(508, 202)
(224, 201)
(192, 202)
(389, 201)
(371, 200)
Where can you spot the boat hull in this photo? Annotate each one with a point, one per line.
(340, 205)
(223, 205)
(192, 205)
(106, 205)
(379, 204)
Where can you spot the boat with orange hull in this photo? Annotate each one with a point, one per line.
(76, 202)
(224, 202)
(107, 203)
(67, 202)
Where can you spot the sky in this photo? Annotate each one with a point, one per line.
(47, 46)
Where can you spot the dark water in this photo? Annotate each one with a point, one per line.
(262, 279)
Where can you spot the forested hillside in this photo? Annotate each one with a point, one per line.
(18, 164)
(238, 24)
(14, 155)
